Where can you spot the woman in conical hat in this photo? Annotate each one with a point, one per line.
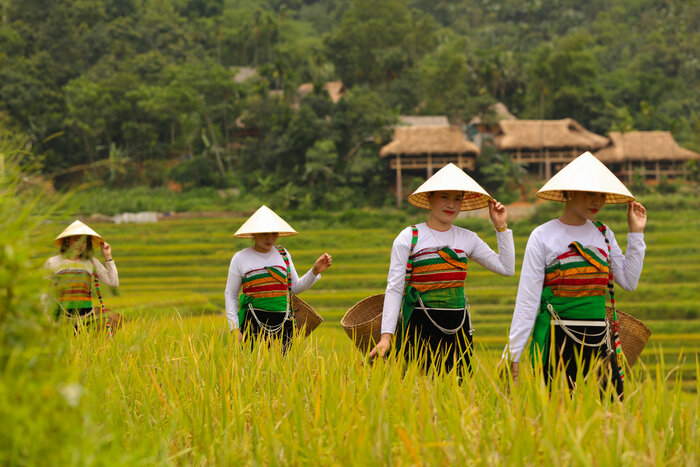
(425, 285)
(265, 276)
(566, 271)
(73, 270)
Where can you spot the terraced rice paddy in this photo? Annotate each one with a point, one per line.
(175, 387)
(180, 266)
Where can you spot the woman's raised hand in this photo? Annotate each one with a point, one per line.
(322, 263)
(498, 215)
(636, 216)
(106, 251)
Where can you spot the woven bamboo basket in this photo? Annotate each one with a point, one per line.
(634, 335)
(363, 322)
(305, 316)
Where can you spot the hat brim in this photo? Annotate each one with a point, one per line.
(470, 201)
(558, 195)
(252, 234)
(96, 240)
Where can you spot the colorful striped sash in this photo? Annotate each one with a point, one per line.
(619, 360)
(579, 272)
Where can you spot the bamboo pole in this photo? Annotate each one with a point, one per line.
(399, 182)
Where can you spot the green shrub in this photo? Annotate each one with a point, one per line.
(200, 171)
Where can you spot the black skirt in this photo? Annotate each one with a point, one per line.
(422, 341)
(72, 312)
(77, 316)
(253, 331)
(568, 355)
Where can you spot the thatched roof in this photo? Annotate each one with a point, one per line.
(643, 146)
(499, 112)
(428, 140)
(423, 120)
(552, 134)
(244, 73)
(335, 89)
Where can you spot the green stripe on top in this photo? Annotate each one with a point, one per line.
(262, 275)
(256, 277)
(582, 263)
(428, 262)
(439, 260)
(592, 255)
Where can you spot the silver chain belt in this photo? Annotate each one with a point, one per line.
(267, 329)
(465, 317)
(579, 336)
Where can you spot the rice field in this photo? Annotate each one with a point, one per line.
(182, 265)
(172, 387)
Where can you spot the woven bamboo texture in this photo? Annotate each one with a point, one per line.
(305, 316)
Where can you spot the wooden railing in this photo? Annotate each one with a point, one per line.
(434, 162)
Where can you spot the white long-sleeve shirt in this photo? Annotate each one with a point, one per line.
(248, 260)
(475, 248)
(545, 244)
(107, 274)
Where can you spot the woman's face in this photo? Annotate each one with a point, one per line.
(77, 244)
(445, 205)
(586, 204)
(265, 241)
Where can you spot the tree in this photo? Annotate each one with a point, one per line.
(563, 80)
(319, 169)
(374, 42)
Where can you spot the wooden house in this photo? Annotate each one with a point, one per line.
(418, 148)
(546, 145)
(654, 153)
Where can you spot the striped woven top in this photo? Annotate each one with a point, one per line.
(438, 268)
(269, 282)
(74, 288)
(579, 272)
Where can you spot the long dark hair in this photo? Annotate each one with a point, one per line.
(87, 252)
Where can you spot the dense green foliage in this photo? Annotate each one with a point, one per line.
(132, 87)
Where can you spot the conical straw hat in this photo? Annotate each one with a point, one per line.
(264, 220)
(451, 178)
(586, 173)
(78, 228)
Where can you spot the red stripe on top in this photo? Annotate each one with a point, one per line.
(438, 276)
(580, 282)
(265, 288)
